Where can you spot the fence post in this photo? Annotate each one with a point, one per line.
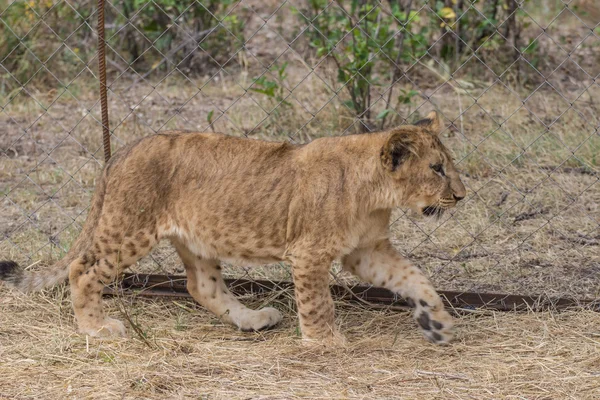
(102, 76)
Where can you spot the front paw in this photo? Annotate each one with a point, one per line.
(435, 323)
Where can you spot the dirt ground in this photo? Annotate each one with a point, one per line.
(188, 353)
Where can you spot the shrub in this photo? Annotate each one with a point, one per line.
(176, 30)
(370, 44)
(33, 33)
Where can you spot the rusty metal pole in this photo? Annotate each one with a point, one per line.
(102, 76)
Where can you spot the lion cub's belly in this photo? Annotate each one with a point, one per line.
(234, 245)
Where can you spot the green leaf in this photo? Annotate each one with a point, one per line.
(152, 27)
(383, 114)
(282, 101)
(342, 76)
(321, 51)
(266, 92)
(260, 81)
(349, 104)
(406, 96)
(281, 70)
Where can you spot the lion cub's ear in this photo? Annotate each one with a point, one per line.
(432, 123)
(398, 148)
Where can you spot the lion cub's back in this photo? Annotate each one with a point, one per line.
(212, 185)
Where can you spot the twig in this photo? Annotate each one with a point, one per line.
(122, 307)
(502, 199)
(460, 115)
(578, 170)
(115, 65)
(135, 326)
(529, 215)
(443, 375)
(582, 240)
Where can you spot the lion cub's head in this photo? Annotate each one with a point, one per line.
(420, 168)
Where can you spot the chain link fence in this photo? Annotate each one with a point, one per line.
(515, 83)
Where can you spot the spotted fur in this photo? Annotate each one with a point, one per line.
(220, 198)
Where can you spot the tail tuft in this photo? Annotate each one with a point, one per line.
(11, 272)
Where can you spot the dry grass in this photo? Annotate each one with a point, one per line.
(496, 356)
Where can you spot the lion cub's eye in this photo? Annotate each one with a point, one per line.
(438, 168)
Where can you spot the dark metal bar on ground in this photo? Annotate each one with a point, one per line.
(175, 286)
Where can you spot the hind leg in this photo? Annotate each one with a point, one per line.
(98, 267)
(205, 283)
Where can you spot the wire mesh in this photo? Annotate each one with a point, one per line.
(515, 83)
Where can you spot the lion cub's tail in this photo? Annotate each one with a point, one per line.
(28, 281)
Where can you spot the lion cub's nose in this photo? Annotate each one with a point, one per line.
(458, 198)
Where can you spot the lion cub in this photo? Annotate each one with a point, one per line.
(221, 198)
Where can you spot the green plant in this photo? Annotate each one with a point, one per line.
(30, 47)
(273, 89)
(405, 97)
(271, 84)
(532, 52)
(209, 119)
(360, 42)
(43, 41)
(369, 43)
